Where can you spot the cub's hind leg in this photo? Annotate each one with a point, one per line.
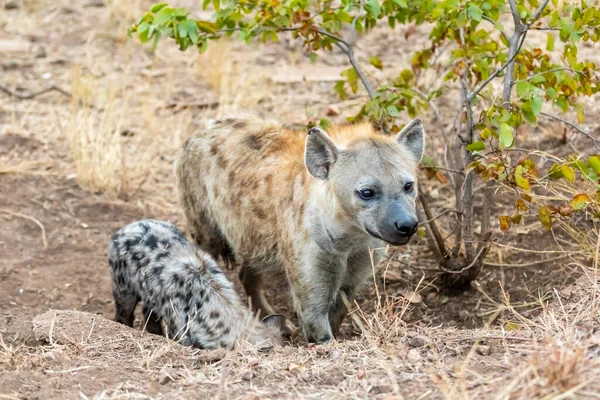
(152, 321)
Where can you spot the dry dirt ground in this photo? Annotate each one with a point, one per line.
(78, 163)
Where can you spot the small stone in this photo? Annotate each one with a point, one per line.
(361, 374)
(333, 110)
(336, 354)
(414, 355)
(484, 350)
(164, 378)
(248, 375)
(379, 389)
(417, 341)
(412, 297)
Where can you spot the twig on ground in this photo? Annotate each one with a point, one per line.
(33, 219)
(34, 94)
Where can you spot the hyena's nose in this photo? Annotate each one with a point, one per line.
(406, 228)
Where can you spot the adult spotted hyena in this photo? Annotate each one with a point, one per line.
(152, 262)
(310, 206)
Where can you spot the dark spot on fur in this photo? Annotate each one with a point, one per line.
(145, 227)
(151, 242)
(221, 161)
(129, 243)
(219, 326)
(227, 331)
(158, 270)
(187, 144)
(214, 149)
(223, 343)
(231, 177)
(260, 214)
(161, 255)
(253, 141)
(214, 314)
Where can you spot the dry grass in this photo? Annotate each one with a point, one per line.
(130, 112)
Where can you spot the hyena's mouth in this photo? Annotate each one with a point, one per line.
(398, 241)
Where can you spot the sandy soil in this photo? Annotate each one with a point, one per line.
(527, 329)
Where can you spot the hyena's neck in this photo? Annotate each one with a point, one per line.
(329, 226)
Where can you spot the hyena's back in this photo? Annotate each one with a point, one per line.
(236, 180)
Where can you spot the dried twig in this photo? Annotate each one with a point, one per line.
(33, 219)
(34, 94)
(439, 240)
(574, 127)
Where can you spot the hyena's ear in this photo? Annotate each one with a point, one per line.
(275, 320)
(319, 154)
(412, 136)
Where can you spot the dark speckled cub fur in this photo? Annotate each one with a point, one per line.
(152, 262)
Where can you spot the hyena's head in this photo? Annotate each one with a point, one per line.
(372, 176)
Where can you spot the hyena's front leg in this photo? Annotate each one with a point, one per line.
(316, 290)
(360, 267)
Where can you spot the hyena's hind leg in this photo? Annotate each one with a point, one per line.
(152, 321)
(252, 283)
(125, 303)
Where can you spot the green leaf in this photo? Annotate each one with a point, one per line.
(580, 201)
(522, 182)
(475, 12)
(550, 42)
(568, 173)
(163, 16)
(352, 77)
(476, 146)
(594, 162)
(373, 7)
(157, 7)
(401, 3)
(485, 134)
(536, 105)
(505, 137)
(523, 89)
(206, 27)
(393, 111)
(376, 62)
(555, 172)
(545, 216)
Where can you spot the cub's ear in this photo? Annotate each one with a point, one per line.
(275, 320)
(412, 136)
(319, 154)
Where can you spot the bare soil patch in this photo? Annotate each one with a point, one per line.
(528, 328)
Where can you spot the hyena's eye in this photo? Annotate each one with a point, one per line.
(366, 194)
(408, 186)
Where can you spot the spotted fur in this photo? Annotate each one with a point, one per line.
(284, 203)
(152, 262)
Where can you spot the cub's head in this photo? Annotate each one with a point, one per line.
(371, 176)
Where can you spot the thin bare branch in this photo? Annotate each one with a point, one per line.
(34, 94)
(546, 72)
(574, 127)
(467, 192)
(439, 215)
(491, 21)
(539, 10)
(515, 14)
(476, 91)
(439, 240)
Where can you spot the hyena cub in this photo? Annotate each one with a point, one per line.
(152, 262)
